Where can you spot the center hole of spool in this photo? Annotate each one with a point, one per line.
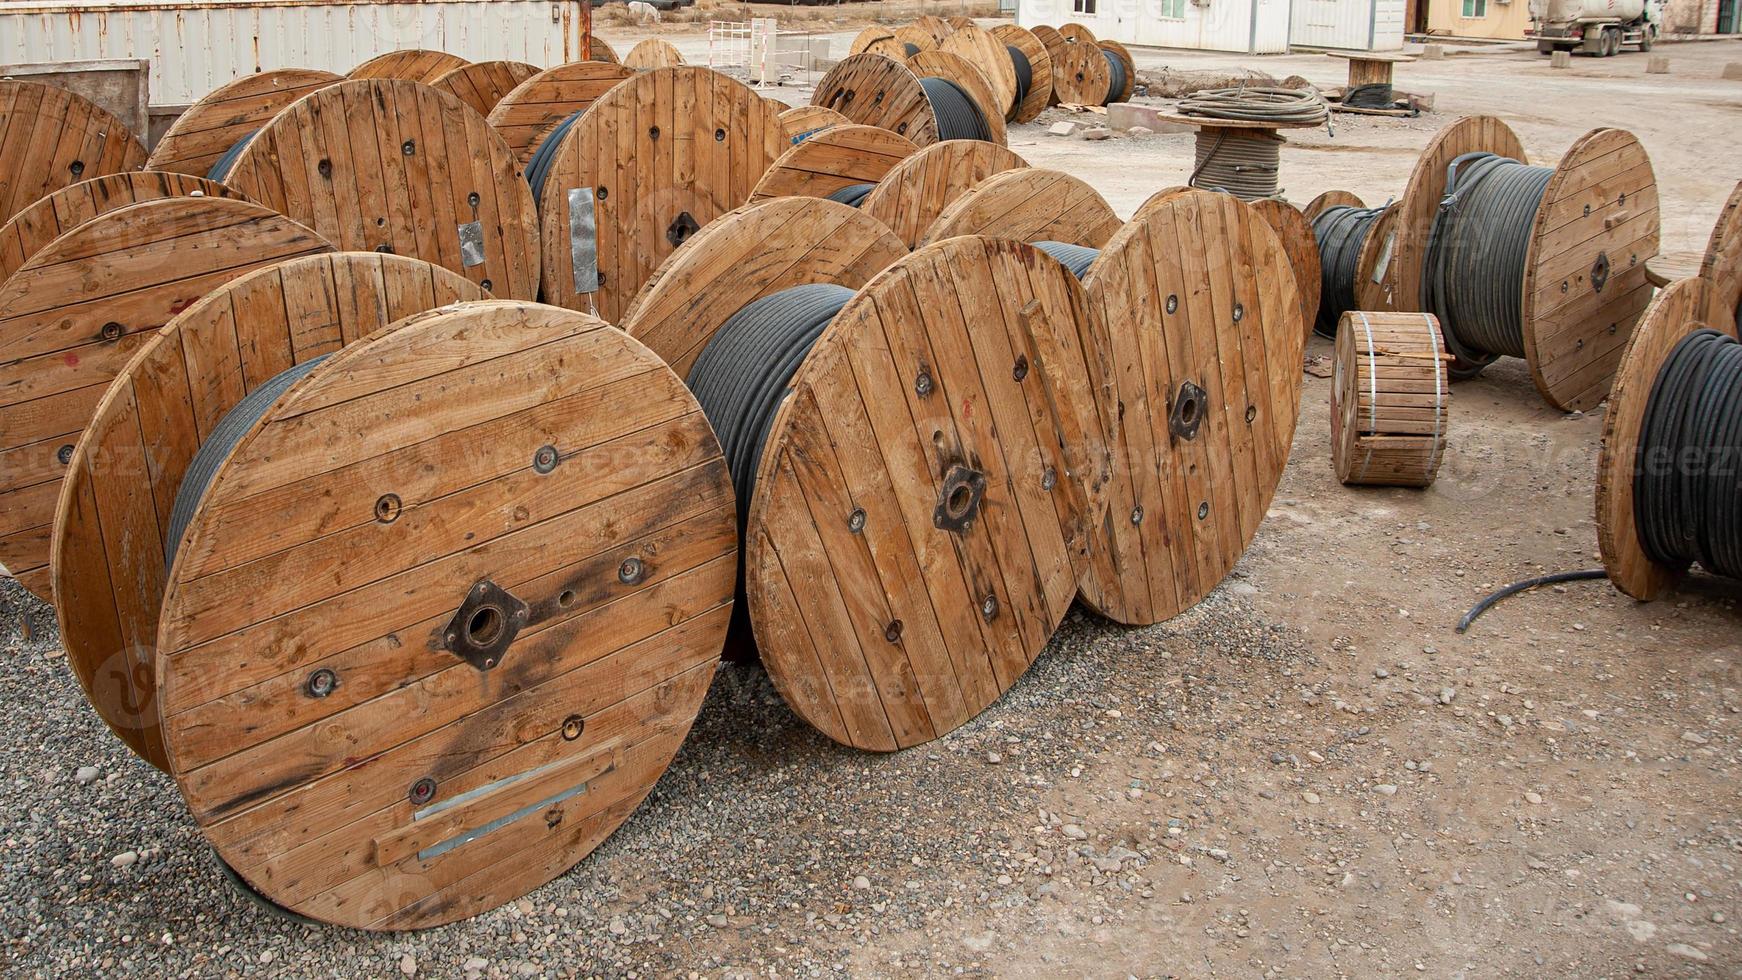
(959, 498)
(1189, 409)
(682, 227)
(484, 626)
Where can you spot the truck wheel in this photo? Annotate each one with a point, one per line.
(1543, 47)
(1647, 37)
(1613, 37)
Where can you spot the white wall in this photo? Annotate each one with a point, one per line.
(1255, 26)
(1353, 25)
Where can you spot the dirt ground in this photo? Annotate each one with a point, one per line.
(1309, 775)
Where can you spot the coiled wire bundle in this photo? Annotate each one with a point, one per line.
(1076, 258)
(1115, 75)
(852, 195)
(1687, 487)
(1341, 232)
(1472, 277)
(1378, 95)
(958, 117)
(538, 167)
(1257, 104)
(1246, 165)
(220, 169)
(1024, 73)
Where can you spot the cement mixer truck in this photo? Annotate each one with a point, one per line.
(1597, 27)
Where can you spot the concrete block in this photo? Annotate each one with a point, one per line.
(1560, 59)
(1658, 64)
(1433, 52)
(1063, 127)
(1125, 115)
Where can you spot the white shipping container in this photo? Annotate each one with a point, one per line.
(195, 47)
(1348, 25)
(1250, 26)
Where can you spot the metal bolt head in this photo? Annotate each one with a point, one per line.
(989, 607)
(321, 683)
(922, 384)
(486, 285)
(892, 632)
(64, 454)
(388, 507)
(324, 168)
(409, 148)
(1049, 478)
(1137, 515)
(631, 571)
(856, 520)
(1020, 371)
(1173, 304)
(77, 167)
(422, 791)
(573, 726)
(719, 136)
(472, 199)
(113, 331)
(1239, 312)
(1203, 510)
(1251, 413)
(545, 459)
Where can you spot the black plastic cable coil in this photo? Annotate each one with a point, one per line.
(1076, 258)
(221, 168)
(1115, 76)
(538, 167)
(958, 117)
(910, 48)
(851, 195)
(225, 435)
(1378, 95)
(1687, 483)
(807, 134)
(1024, 73)
(742, 375)
(1340, 231)
(1244, 164)
(1472, 277)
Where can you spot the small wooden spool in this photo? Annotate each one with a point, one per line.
(911, 197)
(32, 229)
(538, 105)
(1389, 399)
(878, 91)
(1296, 234)
(652, 162)
(51, 138)
(1723, 261)
(1029, 204)
(800, 122)
(1040, 70)
(652, 53)
(1368, 68)
(1678, 310)
(601, 50)
(482, 84)
(1077, 34)
(980, 48)
(1200, 380)
(1211, 129)
(1055, 45)
(1119, 51)
(79, 309)
(1330, 199)
(109, 549)
(937, 27)
(877, 39)
(347, 161)
(408, 64)
(209, 127)
(1080, 75)
(913, 40)
(506, 613)
(837, 157)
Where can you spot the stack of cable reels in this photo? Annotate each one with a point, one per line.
(905, 560)
(915, 192)
(51, 138)
(932, 97)
(114, 523)
(988, 55)
(506, 614)
(800, 123)
(653, 53)
(648, 165)
(1722, 264)
(396, 166)
(408, 64)
(537, 106)
(1026, 50)
(202, 134)
(841, 162)
(79, 308)
(482, 84)
(1031, 205)
(1389, 400)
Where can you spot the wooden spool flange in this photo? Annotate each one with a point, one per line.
(966, 454)
(877, 39)
(913, 40)
(1040, 70)
(1371, 67)
(1389, 399)
(1330, 199)
(482, 84)
(523, 479)
(538, 105)
(1055, 44)
(801, 122)
(937, 27)
(652, 53)
(229, 113)
(78, 310)
(878, 91)
(1681, 308)
(408, 64)
(392, 165)
(651, 163)
(32, 229)
(983, 50)
(50, 138)
(601, 50)
(109, 548)
(1202, 347)
(1119, 51)
(958, 22)
(910, 198)
(1296, 234)
(1029, 204)
(1080, 75)
(1723, 261)
(1370, 280)
(837, 157)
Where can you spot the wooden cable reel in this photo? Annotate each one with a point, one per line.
(836, 158)
(1371, 284)
(526, 115)
(505, 621)
(959, 22)
(1296, 234)
(878, 40)
(914, 193)
(1196, 321)
(937, 27)
(408, 64)
(1330, 199)
(1119, 51)
(1077, 34)
(482, 84)
(652, 53)
(801, 122)
(652, 162)
(397, 166)
(1055, 44)
(878, 91)
(114, 515)
(1035, 101)
(1029, 204)
(50, 138)
(601, 50)
(1389, 399)
(983, 50)
(1080, 75)
(1722, 265)
(227, 114)
(913, 40)
(32, 229)
(76, 312)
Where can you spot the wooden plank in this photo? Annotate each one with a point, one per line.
(533, 108)
(207, 129)
(51, 138)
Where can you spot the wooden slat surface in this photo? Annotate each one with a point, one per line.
(1029, 205)
(409, 64)
(800, 122)
(209, 127)
(916, 191)
(1389, 400)
(536, 106)
(32, 229)
(1054, 43)
(980, 48)
(482, 84)
(1296, 234)
(879, 91)
(651, 53)
(837, 157)
(877, 39)
(50, 138)
(1723, 262)
(1040, 69)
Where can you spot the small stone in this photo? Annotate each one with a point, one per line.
(1063, 128)
(1733, 72)
(617, 926)
(408, 965)
(1074, 832)
(861, 883)
(1219, 854)
(475, 965)
(1140, 131)
(1310, 796)
(1381, 673)
(1315, 756)
(1385, 789)
(1097, 133)
(993, 758)
(86, 775)
(717, 921)
(1693, 738)
(125, 859)
(1686, 952)
(266, 956)
(1447, 694)
(1533, 798)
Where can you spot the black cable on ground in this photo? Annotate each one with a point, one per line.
(1340, 231)
(1115, 76)
(851, 195)
(1024, 73)
(1076, 258)
(1530, 583)
(221, 168)
(958, 116)
(1687, 483)
(1472, 277)
(538, 167)
(1378, 95)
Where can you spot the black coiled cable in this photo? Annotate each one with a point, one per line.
(1340, 231)
(538, 167)
(1115, 76)
(1378, 95)
(851, 195)
(958, 116)
(1076, 258)
(1024, 73)
(1472, 277)
(910, 48)
(221, 168)
(1687, 484)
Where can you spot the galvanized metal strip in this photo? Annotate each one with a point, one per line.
(471, 244)
(583, 240)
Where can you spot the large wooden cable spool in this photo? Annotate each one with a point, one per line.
(800, 123)
(397, 166)
(1678, 310)
(603, 51)
(877, 39)
(50, 138)
(910, 198)
(1390, 396)
(836, 158)
(983, 50)
(958, 22)
(408, 64)
(202, 134)
(651, 163)
(1200, 348)
(1722, 264)
(652, 53)
(526, 115)
(1074, 33)
(1128, 81)
(1080, 75)
(1296, 234)
(114, 514)
(1029, 204)
(79, 309)
(1035, 100)
(913, 40)
(924, 496)
(1331, 199)
(878, 91)
(937, 27)
(1055, 44)
(482, 84)
(506, 614)
(32, 229)
(1371, 282)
